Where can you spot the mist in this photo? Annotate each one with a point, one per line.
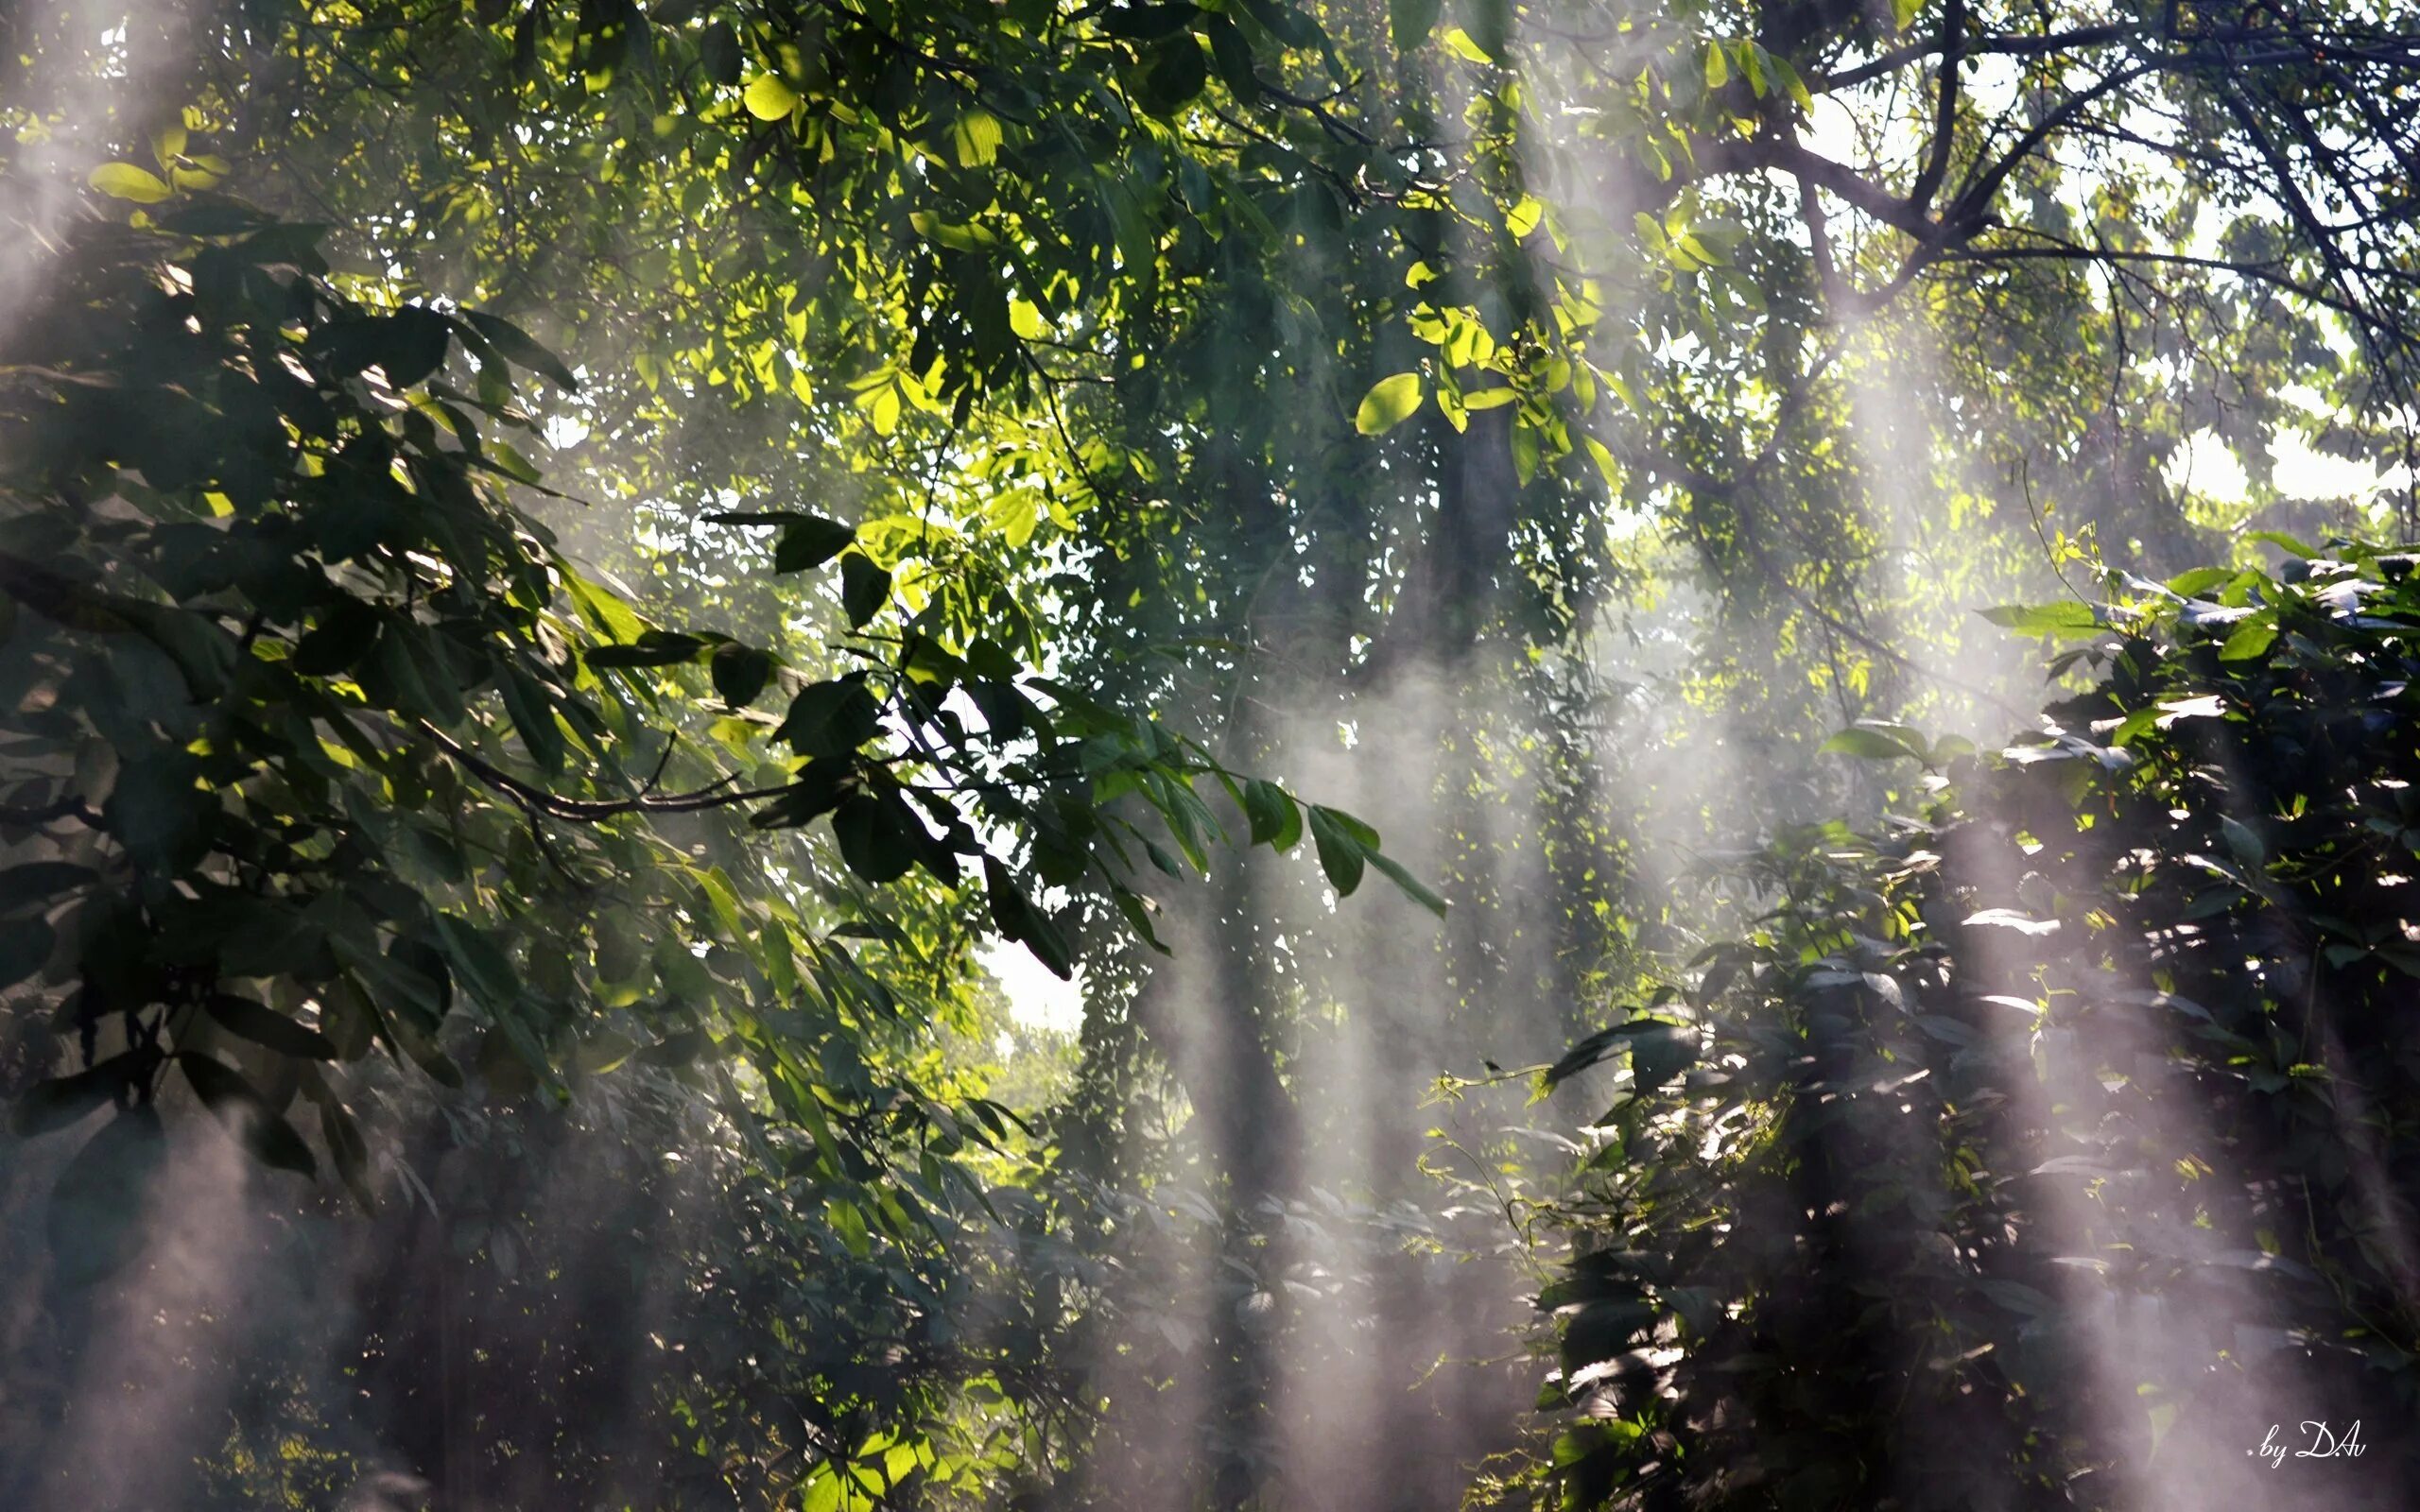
(1177, 758)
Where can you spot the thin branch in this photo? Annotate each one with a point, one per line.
(718, 795)
(1898, 58)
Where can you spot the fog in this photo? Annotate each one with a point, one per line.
(1272, 1220)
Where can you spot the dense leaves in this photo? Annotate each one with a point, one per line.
(325, 761)
(976, 428)
(2052, 1141)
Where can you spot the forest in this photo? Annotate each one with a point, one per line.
(1207, 755)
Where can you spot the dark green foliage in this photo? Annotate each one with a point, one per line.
(334, 786)
(1240, 366)
(2079, 1112)
(296, 678)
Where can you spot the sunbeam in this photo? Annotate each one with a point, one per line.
(1199, 757)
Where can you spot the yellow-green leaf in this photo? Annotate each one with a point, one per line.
(1015, 514)
(1388, 404)
(768, 98)
(882, 409)
(1025, 319)
(1458, 41)
(1792, 83)
(1600, 455)
(124, 181)
(2250, 639)
(977, 137)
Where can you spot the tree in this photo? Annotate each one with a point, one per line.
(322, 752)
(2037, 1145)
(1590, 409)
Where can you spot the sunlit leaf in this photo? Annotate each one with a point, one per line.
(1389, 403)
(2065, 619)
(124, 181)
(2250, 639)
(1867, 744)
(770, 98)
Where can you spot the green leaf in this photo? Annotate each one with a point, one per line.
(264, 1131)
(719, 53)
(740, 673)
(1867, 744)
(1342, 854)
(2250, 638)
(768, 98)
(1410, 22)
(1289, 23)
(480, 964)
(1389, 403)
(1006, 710)
(407, 344)
(401, 997)
(2292, 545)
(831, 718)
(1460, 44)
(533, 716)
(1361, 833)
(1233, 55)
(1274, 820)
(2244, 842)
(1019, 920)
(864, 588)
(1174, 72)
(124, 181)
(1410, 885)
(977, 137)
(1147, 22)
(345, 633)
(818, 790)
(873, 839)
(519, 348)
(850, 1224)
(414, 344)
(2065, 619)
(2199, 581)
(1791, 82)
(809, 542)
(264, 1025)
(1660, 1049)
(653, 648)
(158, 815)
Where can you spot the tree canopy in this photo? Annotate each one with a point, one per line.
(574, 575)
